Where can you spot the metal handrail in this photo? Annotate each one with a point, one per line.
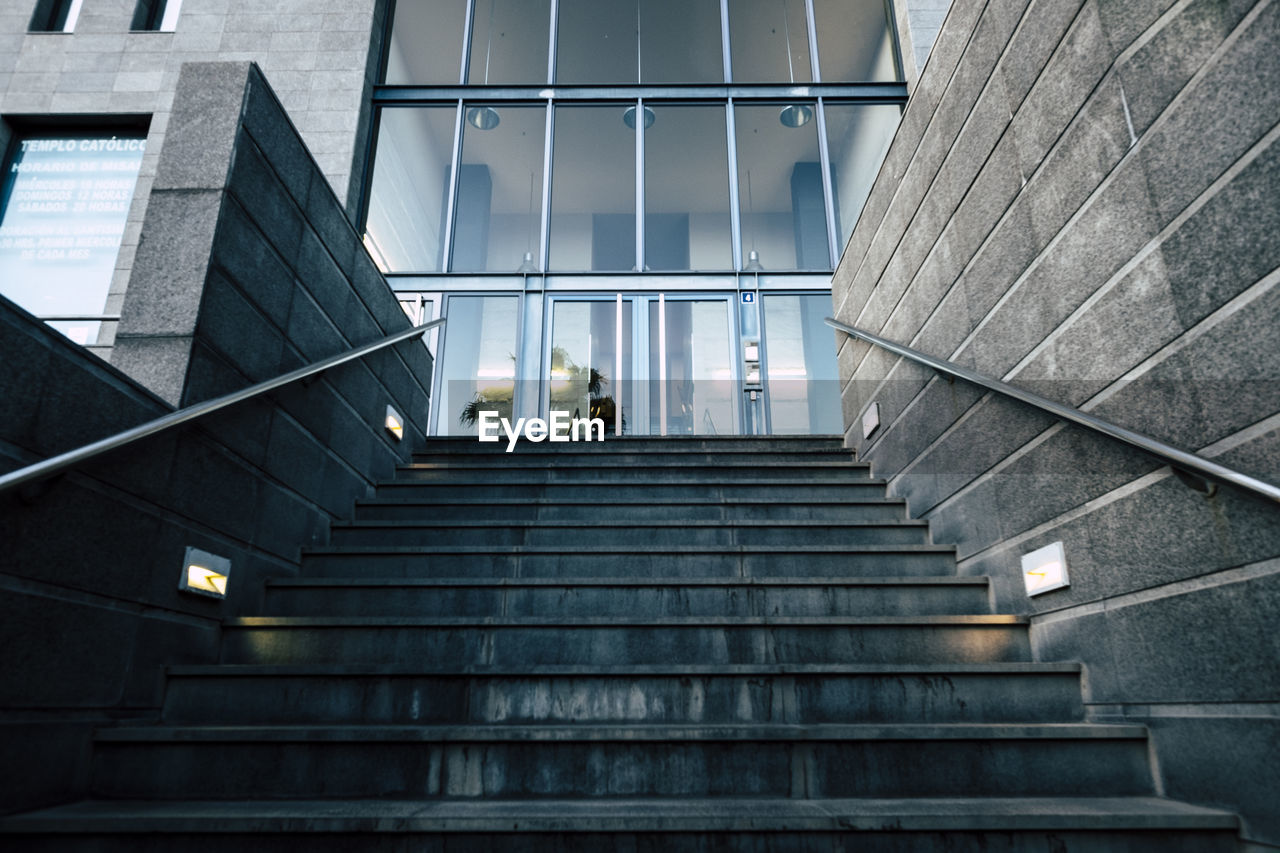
(62, 461)
(1179, 459)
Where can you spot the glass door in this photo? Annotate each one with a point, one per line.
(693, 382)
(645, 364)
(589, 360)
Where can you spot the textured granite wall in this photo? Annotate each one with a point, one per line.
(247, 268)
(1082, 200)
(919, 22)
(317, 54)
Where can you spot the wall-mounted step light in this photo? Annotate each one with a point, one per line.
(394, 424)
(1045, 569)
(204, 573)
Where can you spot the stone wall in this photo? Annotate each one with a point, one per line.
(318, 55)
(919, 22)
(247, 268)
(1081, 200)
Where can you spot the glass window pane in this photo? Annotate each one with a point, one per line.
(686, 216)
(801, 383)
(499, 207)
(769, 41)
(426, 41)
(65, 203)
(699, 387)
(478, 365)
(597, 41)
(780, 194)
(854, 41)
(509, 42)
(405, 227)
(858, 136)
(680, 41)
(593, 190)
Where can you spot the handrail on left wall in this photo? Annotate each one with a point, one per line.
(63, 461)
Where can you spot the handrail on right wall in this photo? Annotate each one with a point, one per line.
(1179, 459)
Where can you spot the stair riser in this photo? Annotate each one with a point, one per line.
(634, 490)
(648, 699)
(585, 538)
(767, 446)
(624, 565)
(747, 841)
(626, 602)
(521, 646)
(624, 477)
(623, 513)
(561, 458)
(1007, 767)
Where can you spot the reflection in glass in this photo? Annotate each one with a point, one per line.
(509, 42)
(854, 41)
(770, 41)
(649, 41)
(499, 201)
(801, 382)
(63, 207)
(680, 41)
(858, 136)
(780, 194)
(405, 226)
(583, 377)
(687, 190)
(478, 365)
(426, 42)
(593, 190)
(699, 389)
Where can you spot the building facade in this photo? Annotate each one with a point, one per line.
(668, 274)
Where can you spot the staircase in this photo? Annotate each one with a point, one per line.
(685, 644)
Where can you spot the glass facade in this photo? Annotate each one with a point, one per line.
(642, 154)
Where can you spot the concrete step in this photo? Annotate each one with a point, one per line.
(640, 491)
(605, 561)
(618, 642)
(617, 509)
(399, 695)
(576, 455)
(778, 825)
(226, 762)
(762, 444)
(623, 476)
(585, 535)
(625, 597)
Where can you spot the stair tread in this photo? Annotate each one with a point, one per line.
(611, 621)
(604, 548)
(751, 581)
(631, 733)
(632, 484)
(626, 525)
(622, 815)
(622, 500)
(616, 671)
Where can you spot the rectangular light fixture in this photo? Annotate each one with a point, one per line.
(1045, 569)
(870, 420)
(204, 573)
(394, 424)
